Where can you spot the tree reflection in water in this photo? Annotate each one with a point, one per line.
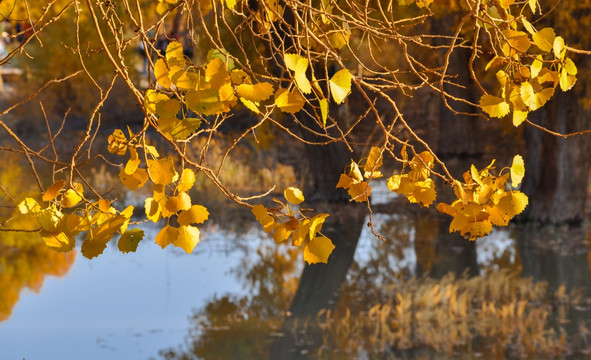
(389, 307)
(25, 261)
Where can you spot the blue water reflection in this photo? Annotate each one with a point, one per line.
(122, 306)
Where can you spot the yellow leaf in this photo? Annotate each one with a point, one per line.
(532, 98)
(73, 196)
(162, 170)
(532, 5)
(281, 233)
(174, 54)
(197, 214)
(230, 4)
(49, 218)
(315, 224)
(289, 101)
(293, 195)
(528, 26)
(393, 182)
(205, 102)
(257, 92)
(506, 3)
(300, 233)
(570, 67)
(299, 65)
(167, 236)
(339, 38)
(180, 202)
(153, 210)
(536, 66)
(59, 241)
(494, 106)
(374, 161)
(188, 238)
(133, 162)
(559, 47)
(135, 180)
(187, 180)
(117, 142)
(567, 81)
(266, 220)
(423, 193)
(359, 192)
(93, 247)
(168, 108)
(517, 42)
(495, 62)
(340, 85)
(53, 191)
(517, 170)
(130, 239)
(161, 74)
(345, 181)
(519, 117)
(151, 99)
(216, 73)
(318, 250)
(186, 79)
(544, 39)
(252, 106)
(29, 205)
(323, 110)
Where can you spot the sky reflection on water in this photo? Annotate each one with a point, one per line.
(121, 306)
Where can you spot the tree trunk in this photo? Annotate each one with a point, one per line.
(557, 169)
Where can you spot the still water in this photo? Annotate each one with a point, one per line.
(230, 298)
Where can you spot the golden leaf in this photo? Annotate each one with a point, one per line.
(340, 85)
(559, 47)
(153, 210)
(167, 235)
(188, 238)
(29, 205)
(161, 74)
(133, 162)
(289, 101)
(257, 92)
(544, 39)
(162, 171)
(293, 195)
(299, 65)
(187, 180)
(180, 202)
(494, 106)
(59, 241)
(517, 170)
(266, 220)
(135, 180)
(73, 196)
(197, 214)
(318, 250)
(53, 191)
(216, 73)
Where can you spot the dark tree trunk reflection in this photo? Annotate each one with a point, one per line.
(320, 284)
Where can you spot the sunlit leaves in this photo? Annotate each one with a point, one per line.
(544, 39)
(353, 182)
(161, 74)
(299, 65)
(167, 235)
(285, 222)
(517, 170)
(53, 191)
(135, 180)
(494, 106)
(257, 92)
(293, 195)
(73, 196)
(196, 214)
(416, 185)
(187, 239)
(484, 201)
(318, 250)
(289, 101)
(340, 85)
(29, 205)
(117, 142)
(162, 170)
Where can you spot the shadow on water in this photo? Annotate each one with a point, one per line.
(425, 293)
